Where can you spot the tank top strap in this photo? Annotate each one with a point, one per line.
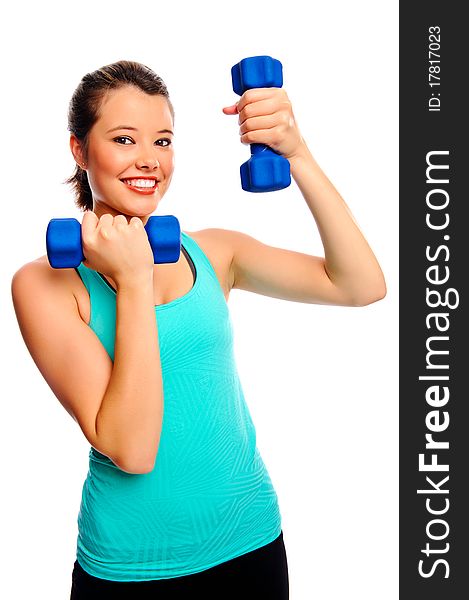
(85, 274)
(94, 284)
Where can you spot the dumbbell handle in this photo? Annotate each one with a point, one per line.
(65, 247)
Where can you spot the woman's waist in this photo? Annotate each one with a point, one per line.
(182, 471)
(158, 501)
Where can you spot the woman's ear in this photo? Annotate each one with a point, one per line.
(75, 147)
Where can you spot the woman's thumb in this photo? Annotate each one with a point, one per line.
(231, 110)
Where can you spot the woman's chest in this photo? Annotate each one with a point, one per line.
(172, 281)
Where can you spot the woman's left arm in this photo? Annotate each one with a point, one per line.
(349, 273)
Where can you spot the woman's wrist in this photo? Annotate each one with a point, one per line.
(300, 154)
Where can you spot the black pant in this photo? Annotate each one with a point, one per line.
(258, 575)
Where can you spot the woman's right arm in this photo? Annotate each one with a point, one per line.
(119, 406)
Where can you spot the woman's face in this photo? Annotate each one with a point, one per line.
(130, 147)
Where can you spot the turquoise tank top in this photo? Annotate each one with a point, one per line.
(209, 498)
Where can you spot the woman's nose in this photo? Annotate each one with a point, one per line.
(148, 163)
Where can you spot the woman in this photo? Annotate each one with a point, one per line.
(177, 497)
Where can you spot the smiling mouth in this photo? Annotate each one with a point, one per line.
(141, 184)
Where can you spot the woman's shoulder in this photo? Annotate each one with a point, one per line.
(33, 273)
(39, 270)
(37, 279)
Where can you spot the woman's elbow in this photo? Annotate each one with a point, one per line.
(371, 295)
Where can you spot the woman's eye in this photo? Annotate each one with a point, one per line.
(163, 142)
(122, 137)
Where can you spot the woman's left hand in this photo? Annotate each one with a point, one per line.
(266, 117)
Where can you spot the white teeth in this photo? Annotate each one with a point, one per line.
(147, 183)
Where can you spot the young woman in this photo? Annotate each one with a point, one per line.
(177, 497)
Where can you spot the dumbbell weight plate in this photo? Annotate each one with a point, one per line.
(64, 244)
(164, 235)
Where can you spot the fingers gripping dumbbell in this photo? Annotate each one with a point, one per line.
(65, 248)
(266, 170)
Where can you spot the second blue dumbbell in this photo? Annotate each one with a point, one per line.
(266, 170)
(65, 249)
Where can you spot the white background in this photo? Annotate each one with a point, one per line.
(320, 381)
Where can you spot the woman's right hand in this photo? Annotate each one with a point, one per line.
(116, 248)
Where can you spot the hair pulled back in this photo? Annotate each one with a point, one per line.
(83, 111)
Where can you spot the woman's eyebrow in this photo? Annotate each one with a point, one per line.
(135, 129)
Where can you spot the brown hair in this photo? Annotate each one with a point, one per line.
(83, 111)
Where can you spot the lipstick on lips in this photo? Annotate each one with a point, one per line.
(142, 185)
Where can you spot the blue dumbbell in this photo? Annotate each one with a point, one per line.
(65, 249)
(266, 170)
